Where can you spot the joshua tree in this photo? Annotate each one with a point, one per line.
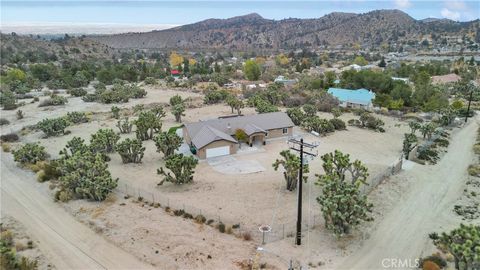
(159, 111)
(291, 165)
(310, 110)
(178, 107)
(167, 143)
(336, 112)
(104, 141)
(343, 206)
(235, 104)
(124, 126)
(409, 142)
(131, 150)
(182, 167)
(115, 112)
(339, 164)
(428, 129)
(463, 243)
(76, 144)
(414, 126)
(297, 115)
(147, 124)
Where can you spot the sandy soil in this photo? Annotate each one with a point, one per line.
(21, 240)
(67, 243)
(408, 207)
(249, 199)
(33, 113)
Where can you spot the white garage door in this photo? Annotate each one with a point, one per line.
(218, 151)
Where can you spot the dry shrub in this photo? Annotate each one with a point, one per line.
(6, 147)
(476, 149)
(11, 137)
(20, 246)
(247, 236)
(474, 170)
(429, 265)
(229, 230)
(111, 198)
(41, 176)
(200, 219)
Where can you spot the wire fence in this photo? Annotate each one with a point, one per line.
(277, 231)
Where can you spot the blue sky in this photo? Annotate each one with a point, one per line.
(183, 12)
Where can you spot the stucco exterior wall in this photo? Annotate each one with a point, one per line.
(275, 133)
(202, 152)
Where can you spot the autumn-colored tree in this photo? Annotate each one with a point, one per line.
(175, 60)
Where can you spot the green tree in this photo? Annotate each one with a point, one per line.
(8, 100)
(463, 243)
(167, 143)
(130, 150)
(291, 165)
(360, 60)
(251, 70)
(241, 136)
(182, 167)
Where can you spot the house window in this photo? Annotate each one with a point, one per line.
(266, 134)
(285, 130)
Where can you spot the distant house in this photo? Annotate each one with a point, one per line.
(405, 80)
(175, 72)
(285, 81)
(216, 137)
(360, 98)
(444, 79)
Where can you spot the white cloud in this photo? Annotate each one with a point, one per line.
(455, 5)
(449, 14)
(403, 3)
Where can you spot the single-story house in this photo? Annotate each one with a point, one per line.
(360, 98)
(444, 79)
(216, 137)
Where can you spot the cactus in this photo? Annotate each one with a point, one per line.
(178, 107)
(20, 114)
(167, 143)
(131, 150)
(76, 144)
(115, 112)
(409, 142)
(77, 117)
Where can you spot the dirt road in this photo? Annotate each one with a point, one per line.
(67, 243)
(403, 233)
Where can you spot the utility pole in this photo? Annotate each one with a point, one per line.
(301, 144)
(468, 108)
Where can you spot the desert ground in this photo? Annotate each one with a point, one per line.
(159, 239)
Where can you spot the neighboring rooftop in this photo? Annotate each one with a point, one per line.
(448, 78)
(360, 96)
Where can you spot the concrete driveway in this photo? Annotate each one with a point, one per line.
(230, 165)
